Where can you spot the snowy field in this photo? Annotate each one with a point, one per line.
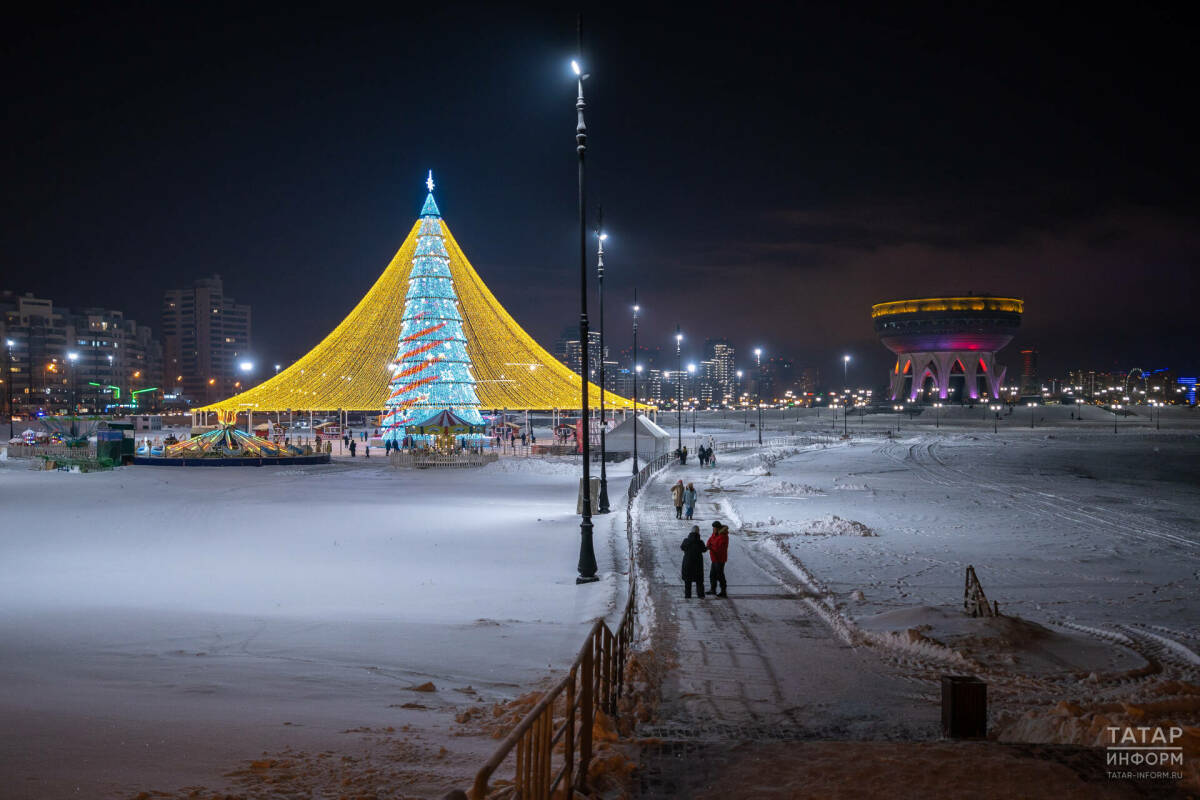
(239, 629)
(162, 627)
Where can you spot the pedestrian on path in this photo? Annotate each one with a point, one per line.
(689, 501)
(718, 551)
(353, 448)
(677, 498)
(693, 563)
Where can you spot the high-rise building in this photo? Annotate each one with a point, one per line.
(810, 381)
(574, 355)
(724, 371)
(117, 362)
(204, 333)
(1029, 372)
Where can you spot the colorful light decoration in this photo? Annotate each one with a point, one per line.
(356, 366)
(432, 369)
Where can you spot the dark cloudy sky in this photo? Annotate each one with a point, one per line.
(767, 172)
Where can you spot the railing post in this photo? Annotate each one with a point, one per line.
(569, 732)
(585, 716)
(606, 668)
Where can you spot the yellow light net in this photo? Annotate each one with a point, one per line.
(349, 368)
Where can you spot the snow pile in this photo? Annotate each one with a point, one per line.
(1175, 704)
(782, 488)
(833, 525)
(1003, 642)
(537, 466)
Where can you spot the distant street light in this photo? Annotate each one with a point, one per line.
(679, 389)
(1032, 406)
(846, 372)
(73, 357)
(277, 368)
(937, 415)
(995, 409)
(601, 237)
(636, 369)
(1116, 408)
(898, 409)
(8, 381)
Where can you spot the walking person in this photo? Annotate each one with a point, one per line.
(693, 563)
(689, 501)
(718, 551)
(683, 456)
(353, 448)
(677, 498)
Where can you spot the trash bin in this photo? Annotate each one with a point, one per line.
(964, 707)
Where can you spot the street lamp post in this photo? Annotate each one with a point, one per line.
(760, 421)
(745, 413)
(73, 357)
(8, 379)
(636, 369)
(846, 371)
(587, 554)
(678, 390)
(995, 409)
(600, 237)
(1031, 407)
(937, 415)
(1116, 408)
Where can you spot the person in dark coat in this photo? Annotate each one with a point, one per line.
(693, 548)
(718, 551)
(353, 448)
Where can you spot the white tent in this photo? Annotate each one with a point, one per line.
(652, 440)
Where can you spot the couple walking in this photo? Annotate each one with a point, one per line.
(694, 549)
(684, 498)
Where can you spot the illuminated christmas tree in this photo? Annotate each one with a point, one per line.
(432, 369)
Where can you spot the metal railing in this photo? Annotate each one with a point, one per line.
(50, 450)
(595, 682)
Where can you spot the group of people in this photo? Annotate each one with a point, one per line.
(694, 548)
(684, 498)
(708, 458)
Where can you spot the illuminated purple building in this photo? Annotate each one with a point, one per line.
(944, 342)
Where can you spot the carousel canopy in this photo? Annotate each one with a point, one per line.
(444, 422)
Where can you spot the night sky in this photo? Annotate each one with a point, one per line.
(766, 173)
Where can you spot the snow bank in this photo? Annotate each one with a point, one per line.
(833, 525)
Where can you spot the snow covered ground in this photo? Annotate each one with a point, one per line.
(160, 627)
(847, 567)
(247, 628)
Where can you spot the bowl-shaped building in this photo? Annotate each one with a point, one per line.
(946, 346)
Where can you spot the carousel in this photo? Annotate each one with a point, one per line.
(443, 440)
(225, 445)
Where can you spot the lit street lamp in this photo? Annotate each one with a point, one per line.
(1115, 408)
(995, 409)
(587, 553)
(1032, 406)
(73, 357)
(937, 415)
(898, 409)
(678, 390)
(8, 380)
(636, 369)
(600, 238)
(277, 368)
(846, 371)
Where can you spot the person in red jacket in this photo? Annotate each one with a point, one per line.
(718, 551)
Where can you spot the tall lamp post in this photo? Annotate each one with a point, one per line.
(8, 380)
(600, 237)
(995, 409)
(73, 357)
(636, 369)
(846, 371)
(587, 554)
(760, 420)
(1116, 408)
(678, 390)
(745, 421)
(937, 415)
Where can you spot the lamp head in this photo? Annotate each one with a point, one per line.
(73, 355)
(575, 67)
(246, 366)
(604, 237)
